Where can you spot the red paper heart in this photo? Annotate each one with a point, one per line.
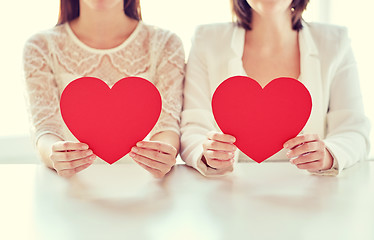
(261, 120)
(110, 121)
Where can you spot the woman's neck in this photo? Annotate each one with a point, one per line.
(103, 29)
(271, 32)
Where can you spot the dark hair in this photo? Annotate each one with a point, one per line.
(69, 10)
(242, 13)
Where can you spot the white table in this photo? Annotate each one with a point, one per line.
(258, 201)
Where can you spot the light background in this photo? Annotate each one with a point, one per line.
(20, 19)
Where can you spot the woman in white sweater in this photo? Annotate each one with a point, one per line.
(106, 40)
(268, 40)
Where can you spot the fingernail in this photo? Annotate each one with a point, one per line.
(90, 152)
(132, 154)
(93, 157)
(134, 149)
(233, 139)
(139, 144)
(285, 145)
(84, 147)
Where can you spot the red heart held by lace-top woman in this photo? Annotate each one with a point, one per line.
(110, 120)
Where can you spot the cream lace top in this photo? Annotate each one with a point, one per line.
(54, 58)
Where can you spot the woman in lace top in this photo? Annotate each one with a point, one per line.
(109, 41)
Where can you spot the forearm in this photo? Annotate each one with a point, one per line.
(169, 137)
(347, 149)
(44, 146)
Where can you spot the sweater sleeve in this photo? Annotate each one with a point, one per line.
(169, 81)
(42, 95)
(347, 126)
(197, 116)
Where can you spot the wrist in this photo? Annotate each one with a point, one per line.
(44, 147)
(203, 159)
(329, 160)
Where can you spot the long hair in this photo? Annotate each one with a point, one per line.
(242, 13)
(69, 10)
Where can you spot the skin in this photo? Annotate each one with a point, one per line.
(272, 46)
(102, 24)
(67, 158)
(102, 5)
(219, 150)
(309, 152)
(157, 156)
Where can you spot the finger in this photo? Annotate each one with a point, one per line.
(311, 166)
(61, 165)
(156, 173)
(310, 157)
(221, 137)
(66, 173)
(300, 139)
(219, 164)
(219, 146)
(219, 155)
(149, 162)
(70, 156)
(66, 145)
(80, 168)
(305, 148)
(158, 146)
(160, 157)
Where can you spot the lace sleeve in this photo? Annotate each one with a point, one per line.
(169, 81)
(42, 96)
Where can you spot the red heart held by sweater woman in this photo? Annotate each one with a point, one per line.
(261, 119)
(110, 120)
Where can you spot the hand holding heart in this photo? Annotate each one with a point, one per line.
(309, 152)
(154, 156)
(266, 119)
(261, 119)
(69, 158)
(219, 150)
(111, 121)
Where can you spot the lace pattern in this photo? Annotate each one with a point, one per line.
(56, 57)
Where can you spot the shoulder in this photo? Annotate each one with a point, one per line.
(42, 40)
(215, 29)
(161, 37)
(327, 31)
(328, 35)
(214, 38)
(165, 44)
(210, 33)
(331, 42)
